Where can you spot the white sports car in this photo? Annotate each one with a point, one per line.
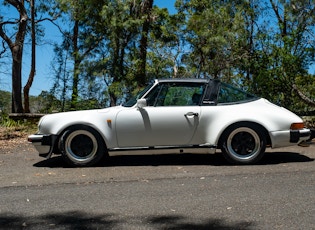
(173, 116)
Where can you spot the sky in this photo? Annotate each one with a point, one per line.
(43, 80)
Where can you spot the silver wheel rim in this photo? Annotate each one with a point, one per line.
(243, 144)
(81, 146)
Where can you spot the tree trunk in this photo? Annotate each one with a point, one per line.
(141, 70)
(17, 55)
(112, 99)
(75, 81)
(16, 48)
(33, 61)
(17, 106)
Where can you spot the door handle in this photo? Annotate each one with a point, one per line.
(189, 114)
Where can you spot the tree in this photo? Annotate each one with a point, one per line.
(166, 46)
(5, 104)
(145, 13)
(16, 48)
(303, 96)
(84, 36)
(215, 30)
(114, 47)
(286, 50)
(61, 86)
(266, 46)
(14, 37)
(125, 30)
(30, 80)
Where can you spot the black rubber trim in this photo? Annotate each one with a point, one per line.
(295, 135)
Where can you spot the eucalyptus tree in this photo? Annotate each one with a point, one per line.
(82, 35)
(167, 46)
(286, 50)
(104, 39)
(30, 79)
(216, 33)
(14, 39)
(62, 72)
(121, 19)
(14, 31)
(145, 8)
(129, 24)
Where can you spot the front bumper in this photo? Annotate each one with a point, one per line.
(44, 144)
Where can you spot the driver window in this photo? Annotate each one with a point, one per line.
(152, 96)
(176, 94)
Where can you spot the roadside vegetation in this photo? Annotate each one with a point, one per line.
(108, 50)
(309, 121)
(10, 129)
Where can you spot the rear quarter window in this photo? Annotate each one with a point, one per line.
(229, 95)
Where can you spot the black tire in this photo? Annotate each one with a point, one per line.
(243, 144)
(82, 146)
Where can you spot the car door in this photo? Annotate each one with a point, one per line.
(170, 118)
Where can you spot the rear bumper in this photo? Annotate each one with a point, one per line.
(44, 144)
(289, 137)
(297, 136)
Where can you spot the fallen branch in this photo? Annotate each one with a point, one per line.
(302, 96)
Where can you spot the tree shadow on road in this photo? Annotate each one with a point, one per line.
(82, 220)
(179, 159)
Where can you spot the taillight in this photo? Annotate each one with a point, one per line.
(296, 126)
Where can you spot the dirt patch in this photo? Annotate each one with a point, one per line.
(11, 144)
(7, 133)
(12, 138)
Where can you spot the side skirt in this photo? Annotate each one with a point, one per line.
(157, 150)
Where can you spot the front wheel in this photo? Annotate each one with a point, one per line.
(243, 144)
(81, 146)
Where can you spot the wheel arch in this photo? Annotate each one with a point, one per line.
(77, 126)
(244, 124)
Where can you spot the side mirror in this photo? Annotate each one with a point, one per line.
(141, 103)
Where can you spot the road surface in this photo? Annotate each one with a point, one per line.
(158, 192)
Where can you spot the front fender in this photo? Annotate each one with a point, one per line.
(102, 122)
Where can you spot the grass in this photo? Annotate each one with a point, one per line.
(10, 129)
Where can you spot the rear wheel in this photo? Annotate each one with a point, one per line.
(82, 146)
(243, 144)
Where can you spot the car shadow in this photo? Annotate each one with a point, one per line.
(217, 159)
(85, 220)
(283, 157)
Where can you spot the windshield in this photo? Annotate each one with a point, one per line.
(132, 101)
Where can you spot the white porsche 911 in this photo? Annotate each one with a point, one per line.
(173, 116)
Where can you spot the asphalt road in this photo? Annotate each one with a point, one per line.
(158, 192)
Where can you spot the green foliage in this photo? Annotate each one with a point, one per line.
(5, 121)
(284, 53)
(166, 46)
(5, 102)
(266, 47)
(309, 121)
(216, 32)
(10, 128)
